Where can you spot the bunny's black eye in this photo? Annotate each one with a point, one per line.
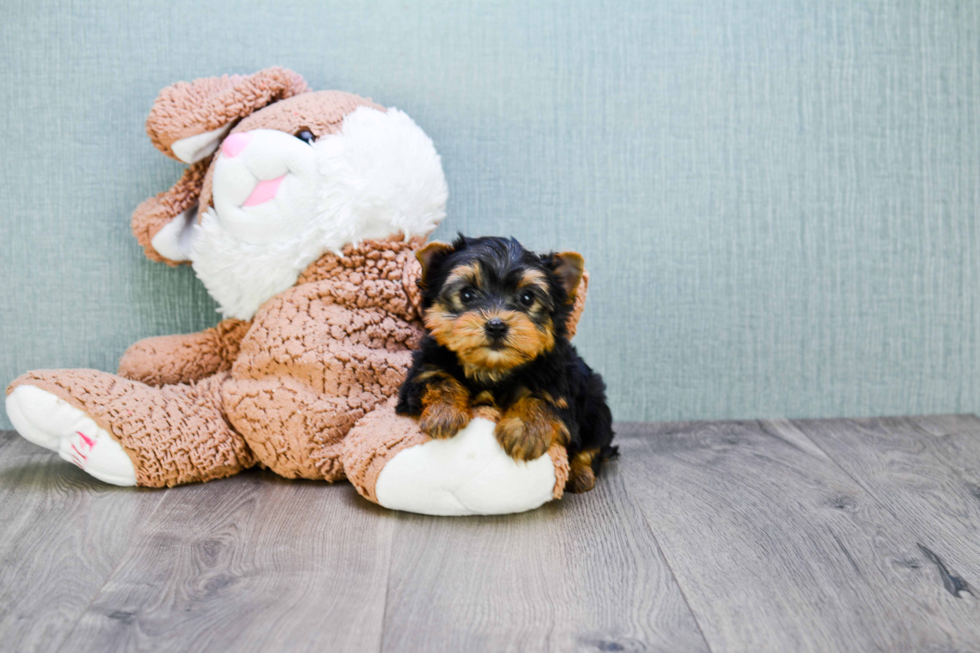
(526, 299)
(306, 136)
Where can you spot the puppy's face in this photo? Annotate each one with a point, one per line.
(494, 304)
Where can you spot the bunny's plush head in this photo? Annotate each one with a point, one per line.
(278, 176)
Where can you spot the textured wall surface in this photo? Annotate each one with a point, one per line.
(778, 201)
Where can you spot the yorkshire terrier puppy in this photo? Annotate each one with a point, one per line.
(495, 316)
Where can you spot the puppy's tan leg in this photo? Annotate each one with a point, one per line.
(581, 476)
(528, 429)
(446, 407)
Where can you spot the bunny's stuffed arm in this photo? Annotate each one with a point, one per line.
(168, 360)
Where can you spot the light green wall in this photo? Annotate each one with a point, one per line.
(778, 201)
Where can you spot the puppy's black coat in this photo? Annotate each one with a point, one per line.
(496, 318)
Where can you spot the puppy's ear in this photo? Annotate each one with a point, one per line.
(569, 267)
(430, 256)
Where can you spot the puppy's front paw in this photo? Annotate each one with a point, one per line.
(521, 441)
(581, 479)
(528, 429)
(445, 407)
(443, 419)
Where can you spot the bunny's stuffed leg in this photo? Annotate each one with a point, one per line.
(128, 433)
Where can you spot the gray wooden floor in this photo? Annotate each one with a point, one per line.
(831, 535)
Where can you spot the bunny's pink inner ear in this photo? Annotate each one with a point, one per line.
(189, 119)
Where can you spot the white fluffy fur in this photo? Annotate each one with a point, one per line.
(380, 175)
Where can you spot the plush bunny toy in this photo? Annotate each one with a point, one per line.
(300, 212)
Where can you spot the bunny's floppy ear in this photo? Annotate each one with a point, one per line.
(187, 122)
(189, 119)
(163, 225)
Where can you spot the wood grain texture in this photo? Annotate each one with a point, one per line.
(251, 563)
(63, 533)
(778, 549)
(926, 472)
(836, 535)
(582, 575)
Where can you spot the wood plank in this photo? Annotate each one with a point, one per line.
(926, 471)
(958, 445)
(814, 535)
(63, 534)
(777, 549)
(582, 574)
(250, 563)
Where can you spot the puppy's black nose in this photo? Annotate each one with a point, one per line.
(495, 328)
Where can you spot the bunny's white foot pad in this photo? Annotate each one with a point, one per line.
(51, 422)
(468, 474)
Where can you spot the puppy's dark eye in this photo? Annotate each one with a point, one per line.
(467, 295)
(526, 299)
(306, 136)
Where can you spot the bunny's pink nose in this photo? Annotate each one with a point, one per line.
(234, 144)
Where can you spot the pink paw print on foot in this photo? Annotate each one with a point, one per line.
(97, 454)
(54, 424)
(81, 446)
